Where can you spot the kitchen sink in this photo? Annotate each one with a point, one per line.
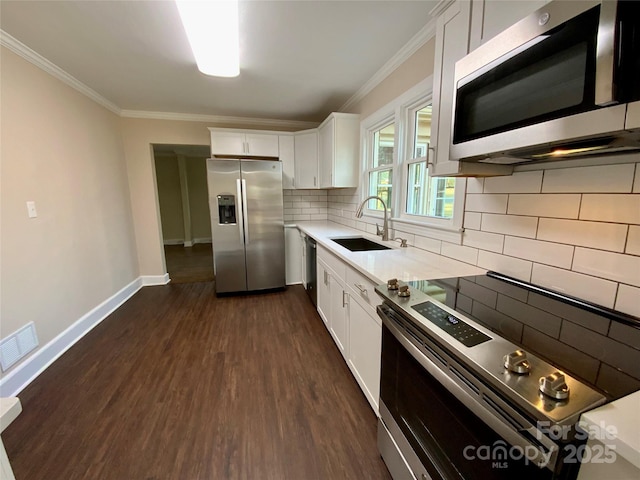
(359, 244)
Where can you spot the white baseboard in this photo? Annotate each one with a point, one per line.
(201, 240)
(16, 380)
(174, 241)
(180, 241)
(150, 280)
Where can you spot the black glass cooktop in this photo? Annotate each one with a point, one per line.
(599, 345)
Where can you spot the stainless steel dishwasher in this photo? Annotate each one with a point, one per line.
(310, 270)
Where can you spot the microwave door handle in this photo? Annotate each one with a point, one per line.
(244, 212)
(606, 54)
(239, 210)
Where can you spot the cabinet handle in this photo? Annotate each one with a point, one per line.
(361, 288)
(314, 181)
(326, 278)
(344, 302)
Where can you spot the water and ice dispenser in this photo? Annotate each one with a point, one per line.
(226, 209)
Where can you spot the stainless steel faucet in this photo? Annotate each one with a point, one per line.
(385, 225)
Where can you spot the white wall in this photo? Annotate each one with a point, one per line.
(65, 152)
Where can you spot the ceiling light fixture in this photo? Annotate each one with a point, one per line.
(212, 30)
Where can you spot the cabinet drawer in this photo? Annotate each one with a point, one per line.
(334, 263)
(363, 290)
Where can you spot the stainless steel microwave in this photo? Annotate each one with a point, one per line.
(563, 82)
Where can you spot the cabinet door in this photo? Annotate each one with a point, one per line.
(287, 157)
(306, 159)
(326, 153)
(488, 17)
(339, 318)
(262, 144)
(323, 282)
(452, 43)
(633, 116)
(227, 143)
(293, 255)
(365, 349)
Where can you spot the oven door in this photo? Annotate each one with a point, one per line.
(441, 432)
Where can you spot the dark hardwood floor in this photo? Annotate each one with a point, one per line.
(178, 384)
(189, 264)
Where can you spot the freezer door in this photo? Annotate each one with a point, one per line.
(227, 232)
(264, 223)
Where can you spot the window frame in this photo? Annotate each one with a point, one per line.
(402, 111)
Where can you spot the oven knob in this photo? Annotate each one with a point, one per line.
(392, 284)
(554, 386)
(403, 291)
(517, 362)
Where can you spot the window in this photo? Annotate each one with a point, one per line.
(431, 197)
(380, 173)
(396, 149)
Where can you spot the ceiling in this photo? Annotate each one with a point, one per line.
(300, 59)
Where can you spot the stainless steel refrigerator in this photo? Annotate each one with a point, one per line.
(247, 225)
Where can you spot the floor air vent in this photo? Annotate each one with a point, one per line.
(17, 345)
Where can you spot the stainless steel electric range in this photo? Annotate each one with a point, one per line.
(485, 377)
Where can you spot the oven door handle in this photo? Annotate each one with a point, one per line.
(532, 451)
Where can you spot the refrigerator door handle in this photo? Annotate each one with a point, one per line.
(244, 212)
(240, 210)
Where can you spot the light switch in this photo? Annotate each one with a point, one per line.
(31, 209)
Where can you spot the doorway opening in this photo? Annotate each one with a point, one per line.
(181, 178)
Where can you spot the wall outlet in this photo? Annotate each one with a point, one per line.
(31, 209)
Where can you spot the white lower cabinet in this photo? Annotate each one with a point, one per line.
(339, 327)
(365, 349)
(323, 282)
(350, 317)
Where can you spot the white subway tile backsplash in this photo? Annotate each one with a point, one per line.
(627, 300)
(510, 224)
(605, 236)
(511, 266)
(633, 240)
(472, 220)
(608, 178)
(430, 244)
(613, 266)
(597, 290)
(540, 252)
(483, 240)
(491, 203)
(611, 208)
(459, 252)
(520, 182)
(475, 185)
(318, 216)
(544, 205)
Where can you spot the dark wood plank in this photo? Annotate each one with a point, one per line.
(189, 264)
(179, 384)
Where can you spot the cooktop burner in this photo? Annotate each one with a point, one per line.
(552, 350)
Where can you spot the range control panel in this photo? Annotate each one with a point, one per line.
(458, 329)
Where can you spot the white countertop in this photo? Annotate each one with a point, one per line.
(405, 264)
(624, 416)
(10, 408)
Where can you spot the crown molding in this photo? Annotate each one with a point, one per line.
(39, 61)
(220, 119)
(418, 40)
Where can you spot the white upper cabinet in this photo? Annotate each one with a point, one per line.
(338, 149)
(633, 116)
(226, 141)
(452, 43)
(287, 157)
(489, 18)
(306, 158)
